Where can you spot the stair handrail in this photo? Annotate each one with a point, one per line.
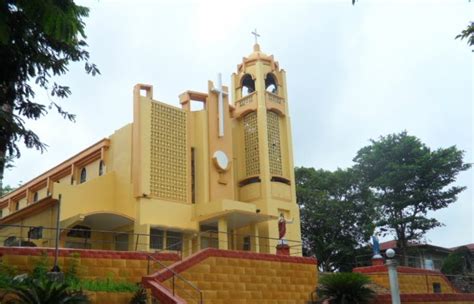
(175, 274)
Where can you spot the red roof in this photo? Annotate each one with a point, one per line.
(393, 244)
(469, 246)
(387, 245)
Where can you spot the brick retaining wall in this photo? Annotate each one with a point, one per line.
(91, 264)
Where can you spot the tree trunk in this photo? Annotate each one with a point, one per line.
(402, 245)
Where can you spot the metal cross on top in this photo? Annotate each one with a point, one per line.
(256, 35)
(220, 106)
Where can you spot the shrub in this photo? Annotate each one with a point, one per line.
(140, 296)
(345, 288)
(41, 267)
(7, 273)
(44, 292)
(457, 262)
(71, 272)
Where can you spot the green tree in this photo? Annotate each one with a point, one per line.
(38, 39)
(336, 216)
(408, 180)
(468, 34)
(458, 262)
(6, 189)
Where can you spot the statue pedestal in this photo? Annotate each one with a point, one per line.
(283, 249)
(377, 261)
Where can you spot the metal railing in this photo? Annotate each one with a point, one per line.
(212, 236)
(82, 238)
(410, 261)
(173, 280)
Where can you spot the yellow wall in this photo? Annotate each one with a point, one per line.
(119, 269)
(162, 213)
(46, 218)
(245, 281)
(96, 195)
(413, 283)
(118, 160)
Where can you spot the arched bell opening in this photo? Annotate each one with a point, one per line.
(271, 84)
(248, 85)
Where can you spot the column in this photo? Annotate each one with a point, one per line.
(393, 278)
(222, 234)
(141, 240)
(254, 240)
(165, 240)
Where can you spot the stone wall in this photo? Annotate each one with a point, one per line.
(411, 280)
(226, 276)
(91, 264)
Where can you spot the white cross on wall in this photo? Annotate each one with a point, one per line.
(220, 106)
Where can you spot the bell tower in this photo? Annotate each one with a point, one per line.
(263, 156)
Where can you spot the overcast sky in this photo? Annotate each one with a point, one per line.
(354, 73)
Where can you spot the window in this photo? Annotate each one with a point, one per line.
(17, 206)
(80, 231)
(35, 197)
(173, 240)
(1, 213)
(429, 264)
(412, 262)
(121, 242)
(209, 237)
(156, 238)
(247, 245)
(83, 176)
(35, 233)
(248, 85)
(101, 168)
(436, 288)
(271, 84)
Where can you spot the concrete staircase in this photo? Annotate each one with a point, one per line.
(223, 276)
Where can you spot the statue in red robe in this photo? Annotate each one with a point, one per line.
(282, 228)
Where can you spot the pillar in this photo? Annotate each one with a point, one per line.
(141, 240)
(393, 278)
(222, 234)
(165, 240)
(254, 240)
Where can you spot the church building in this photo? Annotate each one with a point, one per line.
(174, 178)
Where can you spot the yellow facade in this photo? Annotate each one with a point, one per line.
(176, 179)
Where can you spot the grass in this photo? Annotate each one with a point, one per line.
(107, 285)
